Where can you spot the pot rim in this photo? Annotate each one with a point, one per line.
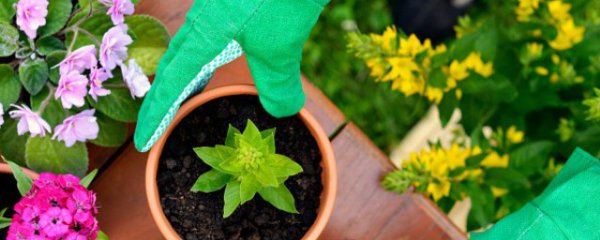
(328, 176)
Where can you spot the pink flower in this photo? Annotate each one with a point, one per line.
(79, 60)
(136, 80)
(56, 207)
(118, 8)
(78, 128)
(31, 14)
(97, 77)
(1, 115)
(113, 50)
(72, 89)
(29, 121)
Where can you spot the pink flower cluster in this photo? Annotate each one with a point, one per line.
(56, 207)
(31, 15)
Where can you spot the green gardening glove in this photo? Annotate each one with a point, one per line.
(271, 33)
(569, 207)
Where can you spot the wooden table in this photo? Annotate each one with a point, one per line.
(363, 210)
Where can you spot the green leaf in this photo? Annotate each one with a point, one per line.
(12, 146)
(531, 157)
(7, 10)
(9, 36)
(248, 188)
(118, 104)
(230, 139)
(10, 87)
(24, 182)
(4, 221)
(483, 205)
(280, 197)
(283, 166)
(112, 132)
(54, 113)
(87, 180)
(506, 178)
(33, 75)
(494, 89)
(266, 177)
(49, 45)
(251, 133)
(47, 155)
(151, 43)
(53, 59)
(268, 137)
(446, 108)
(58, 15)
(215, 156)
(97, 25)
(475, 161)
(232, 198)
(211, 181)
(102, 236)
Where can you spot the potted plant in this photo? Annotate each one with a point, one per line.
(71, 73)
(195, 191)
(46, 206)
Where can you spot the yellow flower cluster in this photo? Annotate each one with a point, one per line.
(458, 71)
(405, 63)
(568, 34)
(437, 163)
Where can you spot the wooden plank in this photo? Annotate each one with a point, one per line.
(363, 210)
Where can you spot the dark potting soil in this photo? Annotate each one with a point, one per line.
(9, 196)
(200, 215)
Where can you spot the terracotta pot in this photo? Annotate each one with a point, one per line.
(5, 169)
(328, 177)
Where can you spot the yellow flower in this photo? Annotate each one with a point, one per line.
(525, 9)
(494, 160)
(541, 71)
(439, 190)
(536, 33)
(485, 70)
(412, 46)
(386, 39)
(434, 95)
(377, 68)
(568, 35)
(459, 94)
(474, 61)
(559, 10)
(554, 78)
(535, 49)
(555, 59)
(514, 136)
(458, 71)
(499, 192)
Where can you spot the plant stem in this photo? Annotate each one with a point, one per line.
(47, 99)
(75, 35)
(90, 35)
(115, 85)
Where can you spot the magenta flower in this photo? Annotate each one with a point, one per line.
(113, 50)
(72, 89)
(31, 14)
(118, 8)
(29, 121)
(97, 77)
(78, 128)
(1, 115)
(136, 80)
(56, 207)
(79, 60)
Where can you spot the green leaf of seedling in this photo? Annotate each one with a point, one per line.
(33, 75)
(211, 181)
(24, 182)
(9, 36)
(230, 140)
(232, 198)
(251, 133)
(87, 180)
(102, 236)
(248, 188)
(10, 87)
(267, 133)
(268, 137)
(283, 166)
(280, 197)
(4, 221)
(58, 14)
(266, 177)
(214, 157)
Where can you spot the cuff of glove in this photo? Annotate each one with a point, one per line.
(321, 2)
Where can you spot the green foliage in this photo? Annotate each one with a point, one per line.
(33, 75)
(248, 164)
(12, 145)
(4, 221)
(46, 155)
(24, 182)
(113, 134)
(156, 39)
(58, 14)
(10, 88)
(8, 39)
(87, 180)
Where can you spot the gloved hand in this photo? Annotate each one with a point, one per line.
(567, 209)
(271, 32)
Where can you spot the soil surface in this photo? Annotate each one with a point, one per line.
(200, 215)
(9, 196)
